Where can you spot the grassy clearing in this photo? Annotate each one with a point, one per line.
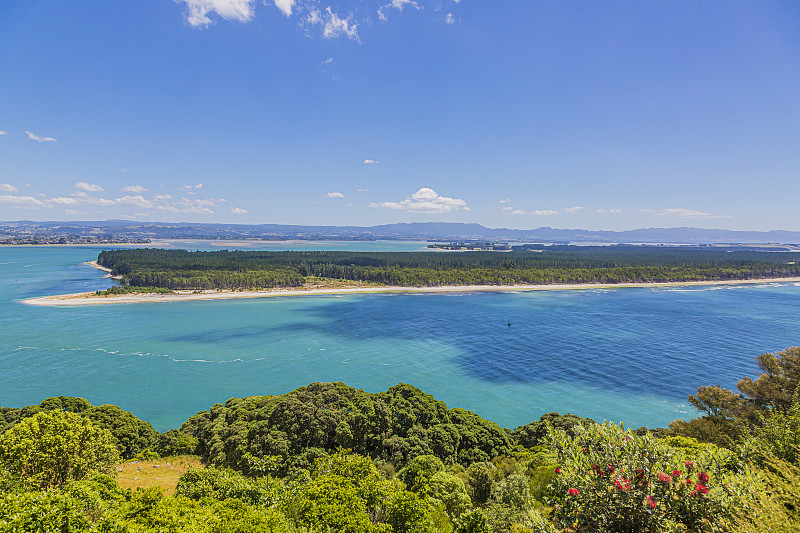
(162, 472)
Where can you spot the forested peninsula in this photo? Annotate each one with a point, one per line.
(329, 457)
(143, 270)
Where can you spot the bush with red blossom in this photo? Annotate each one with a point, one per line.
(645, 485)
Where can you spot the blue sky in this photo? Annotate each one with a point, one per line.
(520, 114)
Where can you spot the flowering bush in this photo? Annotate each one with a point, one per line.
(614, 480)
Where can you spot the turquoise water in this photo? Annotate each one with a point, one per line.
(629, 355)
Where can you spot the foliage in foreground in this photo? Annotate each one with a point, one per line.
(53, 447)
(280, 466)
(614, 480)
(729, 416)
(394, 426)
(131, 435)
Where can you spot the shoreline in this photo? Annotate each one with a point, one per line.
(89, 298)
(94, 264)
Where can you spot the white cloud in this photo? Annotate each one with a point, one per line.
(449, 19)
(362, 190)
(680, 212)
(613, 211)
(63, 200)
(426, 200)
(3, 132)
(335, 195)
(22, 201)
(8, 187)
(88, 186)
(396, 4)
(190, 187)
(328, 61)
(544, 212)
(74, 212)
(238, 211)
(202, 202)
(38, 138)
(573, 210)
(507, 208)
(197, 11)
(285, 6)
(371, 161)
(505, 201)
(136, 201)
(518, 212)
(134, 188)
(187, 205)
(332, 24)
(84, 198)
(162, 197)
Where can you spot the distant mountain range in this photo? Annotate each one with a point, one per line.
(434, 231)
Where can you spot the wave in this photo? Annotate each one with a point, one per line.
(702, 289)
(149, 354)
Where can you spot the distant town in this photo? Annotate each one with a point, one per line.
(70, 239)
(440, 235)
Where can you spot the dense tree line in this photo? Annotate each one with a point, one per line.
(181, 269)
(131, 435)
(394, 426)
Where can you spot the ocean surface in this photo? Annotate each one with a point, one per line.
(631, 354)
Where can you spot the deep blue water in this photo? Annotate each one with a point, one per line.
(629, 355)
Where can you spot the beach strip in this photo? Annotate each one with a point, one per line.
(90, 298)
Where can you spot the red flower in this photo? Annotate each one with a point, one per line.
(572, 492)
(639, 473)
(703, 477)
(676, 474)
(610, 469)
(689, 465)
(663, 478)
(623, 485)
(558, 470)
(650, 502)
(596, 469)
(699, 488)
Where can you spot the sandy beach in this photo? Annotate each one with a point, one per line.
(89, 298)
(98, 267)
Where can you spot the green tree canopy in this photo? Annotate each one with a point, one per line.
(728, 415)
(132, 434)
(53, 447)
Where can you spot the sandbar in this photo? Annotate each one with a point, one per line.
(89, 298)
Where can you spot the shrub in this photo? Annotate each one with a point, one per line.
(419, 471)
(54, 447)
(610, 479)
(222, 484)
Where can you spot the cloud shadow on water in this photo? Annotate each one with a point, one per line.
(637, 340)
